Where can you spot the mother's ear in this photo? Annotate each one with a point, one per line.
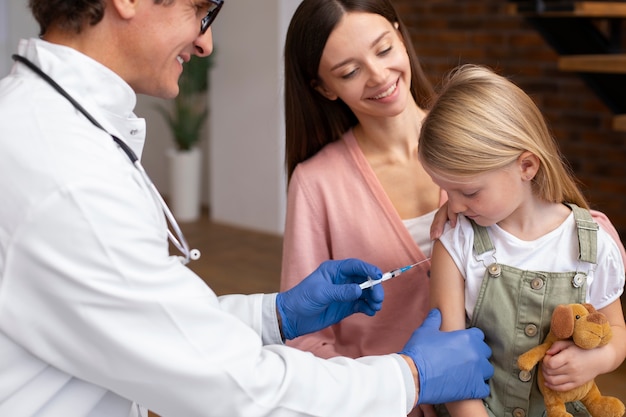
(321, 88)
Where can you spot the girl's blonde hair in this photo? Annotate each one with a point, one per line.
(481, 121)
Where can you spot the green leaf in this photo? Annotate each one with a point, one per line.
(189, 109)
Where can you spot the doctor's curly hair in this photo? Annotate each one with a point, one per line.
(70, 15)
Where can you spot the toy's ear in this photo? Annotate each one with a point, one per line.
(589, 308)
(562, 323)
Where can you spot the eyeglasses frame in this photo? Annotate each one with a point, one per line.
(216, 6)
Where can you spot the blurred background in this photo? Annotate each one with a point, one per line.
(243, 180)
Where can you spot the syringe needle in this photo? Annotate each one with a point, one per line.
(388, 275)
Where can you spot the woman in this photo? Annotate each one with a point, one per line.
(355, 98)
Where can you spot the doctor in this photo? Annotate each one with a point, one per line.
(96, 317)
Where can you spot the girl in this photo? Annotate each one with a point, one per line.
(524, 242)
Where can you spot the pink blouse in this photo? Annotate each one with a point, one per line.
(337, 209)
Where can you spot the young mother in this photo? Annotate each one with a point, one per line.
(354, 103)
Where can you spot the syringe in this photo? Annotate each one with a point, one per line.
(388, 275)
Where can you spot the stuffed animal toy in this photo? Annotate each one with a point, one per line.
(588, 329)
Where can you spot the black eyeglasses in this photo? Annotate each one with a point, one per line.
(214, 9)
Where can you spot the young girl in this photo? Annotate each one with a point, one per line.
(524, 241)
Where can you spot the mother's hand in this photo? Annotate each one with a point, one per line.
(443, 215)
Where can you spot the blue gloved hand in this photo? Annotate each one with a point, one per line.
(327, 296)
(452, 366)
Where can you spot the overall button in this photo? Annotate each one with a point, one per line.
(536, 284)
(519, 412)
(579, 280)
(530, 330)
(494, 270)
(525, 376)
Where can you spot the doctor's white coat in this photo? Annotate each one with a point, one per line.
(95, 316)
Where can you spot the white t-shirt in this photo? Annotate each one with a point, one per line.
(556, 251)
(419, 229)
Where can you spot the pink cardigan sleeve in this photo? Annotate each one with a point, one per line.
(305, 246)
(606, 224)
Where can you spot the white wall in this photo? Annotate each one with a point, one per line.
(247, 127)
(16, 22)
(244, 146)
(4, 37)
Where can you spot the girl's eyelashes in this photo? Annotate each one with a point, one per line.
(470, 194)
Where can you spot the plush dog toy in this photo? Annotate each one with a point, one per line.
(588, 329)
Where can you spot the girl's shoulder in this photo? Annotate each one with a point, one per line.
(458, 235)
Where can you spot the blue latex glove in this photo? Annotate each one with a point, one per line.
(452, 366)
(330, 294)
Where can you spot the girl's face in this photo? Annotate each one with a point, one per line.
(486, 198)
(365, 64)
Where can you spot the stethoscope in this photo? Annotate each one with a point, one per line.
(177, 238)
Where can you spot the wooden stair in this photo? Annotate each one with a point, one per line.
(607, 63)
(598, 57)
(619, 123)
(593, 9)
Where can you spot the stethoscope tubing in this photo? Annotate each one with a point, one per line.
(177, 237)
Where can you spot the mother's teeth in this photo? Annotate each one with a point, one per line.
(180, 60)
(386, 93)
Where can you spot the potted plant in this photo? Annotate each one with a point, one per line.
(185, 117)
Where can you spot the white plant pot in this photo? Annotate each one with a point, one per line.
(185, 174)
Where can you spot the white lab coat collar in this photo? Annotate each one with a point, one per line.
(102, 92)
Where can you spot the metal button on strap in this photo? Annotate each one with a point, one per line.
(494, 270)
(519, 412)
(525, 376)
(536, 284)
(578, 280)
(530, 330)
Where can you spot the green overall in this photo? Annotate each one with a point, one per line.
(514, 308)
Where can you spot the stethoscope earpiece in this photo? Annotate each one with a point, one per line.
(194, 254)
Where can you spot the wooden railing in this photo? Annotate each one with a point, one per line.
(612, 60)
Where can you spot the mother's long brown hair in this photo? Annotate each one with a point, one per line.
(311, 120)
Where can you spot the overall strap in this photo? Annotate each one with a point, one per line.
(482, 242)
(587, 234)
(586, 227)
